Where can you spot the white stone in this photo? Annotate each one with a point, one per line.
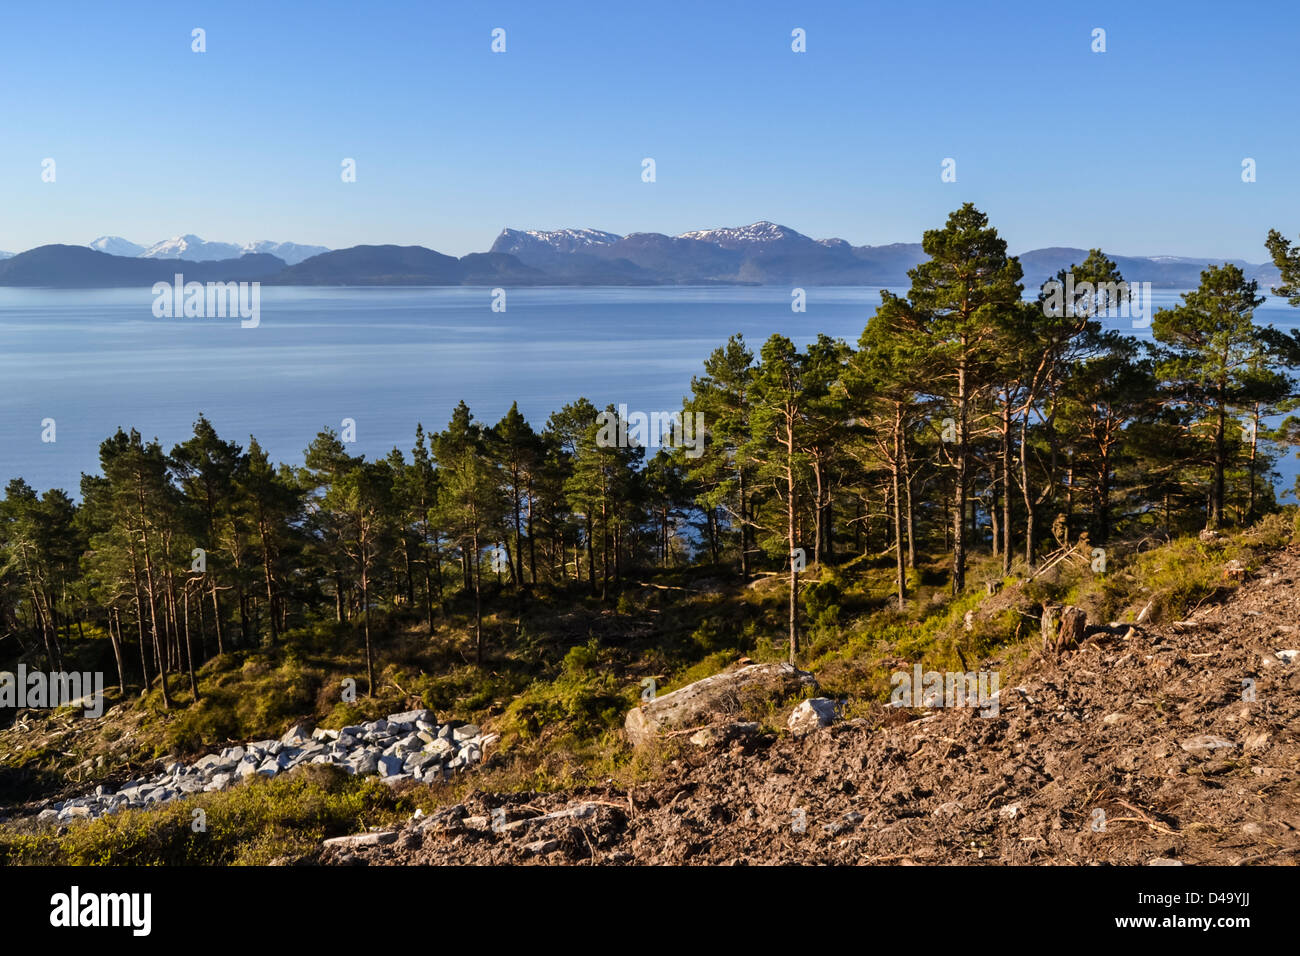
(297, 733)
(811, 715)
(465, 732)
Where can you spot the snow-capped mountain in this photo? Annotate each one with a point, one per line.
(558, 240)
(291, 252)
(766, 252)
(568, 253)
(759, 252)
(739, 237)
(194, 249)
(116, 246)
(566, 241)
(6, 255)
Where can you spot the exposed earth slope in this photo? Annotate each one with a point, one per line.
(1153, 728)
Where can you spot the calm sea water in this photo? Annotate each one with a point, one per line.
(388, 358)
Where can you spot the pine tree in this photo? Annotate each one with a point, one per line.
(472, 502)
(949, 323)
(326, 461)
(517, 451)
(205, 468)
(886, 406)
(778, 430)
(1109, 388)
(421, 488)
(272, 506)
(1211, 344)
(572, 432)
(722, 471)
(361, 499)
(138, 489)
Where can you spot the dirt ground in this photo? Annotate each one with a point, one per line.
(1133, 748)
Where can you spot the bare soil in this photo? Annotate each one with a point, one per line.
(1135, 747)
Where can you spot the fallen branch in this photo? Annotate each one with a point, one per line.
(1145, 818)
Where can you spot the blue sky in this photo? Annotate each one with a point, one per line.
(1137, 150)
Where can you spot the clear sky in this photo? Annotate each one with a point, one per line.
(1137, 150)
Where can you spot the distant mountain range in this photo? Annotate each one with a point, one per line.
(762, 253)
(78, 267)
(193, 249)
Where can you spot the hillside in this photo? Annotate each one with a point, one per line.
(403, 265)
(1145, 723)
(1147, 727)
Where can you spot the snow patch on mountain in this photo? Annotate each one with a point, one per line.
(737, 236)
(560, 240)
(291, 252)
(194, 249)
(116, 246)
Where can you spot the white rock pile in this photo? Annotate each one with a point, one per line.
(405, 746)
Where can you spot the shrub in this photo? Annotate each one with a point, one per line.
(582, 658)
(821, 601)
(251, 823)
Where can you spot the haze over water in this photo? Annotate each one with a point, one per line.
(94, 360)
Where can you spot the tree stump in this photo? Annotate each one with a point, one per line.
(1063, 627)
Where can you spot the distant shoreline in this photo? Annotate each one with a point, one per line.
(792, 261)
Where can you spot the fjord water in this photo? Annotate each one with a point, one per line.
(94, 360)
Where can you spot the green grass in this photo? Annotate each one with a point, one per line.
(251, 823)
